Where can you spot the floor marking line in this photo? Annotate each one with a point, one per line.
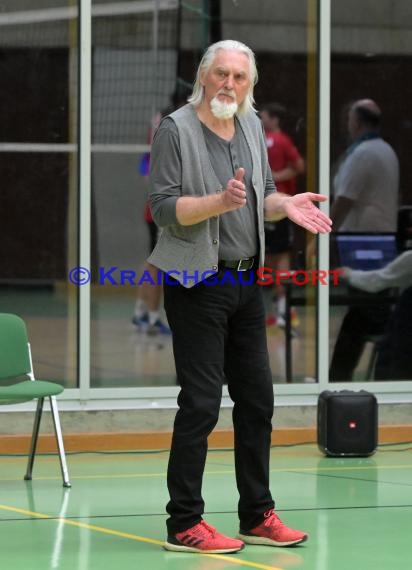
(136, 537)
(242, 562)
(82, 525)
(24, 512)
(296, 470)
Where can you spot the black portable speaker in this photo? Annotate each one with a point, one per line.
(347, 423)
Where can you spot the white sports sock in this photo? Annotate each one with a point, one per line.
(153, 317)
(140, 308)
(281, 305)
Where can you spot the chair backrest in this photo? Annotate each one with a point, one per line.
(14, 351)
(405, 228)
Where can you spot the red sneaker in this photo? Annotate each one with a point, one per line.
(294, 317)
(272, 532)
(270, 320)
(202, 538)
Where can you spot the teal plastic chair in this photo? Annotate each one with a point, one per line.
(18, 385)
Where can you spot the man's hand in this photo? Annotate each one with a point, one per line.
(301, 210)
(346, 273)
(234, 196)
(192, 210)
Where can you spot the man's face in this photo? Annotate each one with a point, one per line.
(269, 123)
(228, 78)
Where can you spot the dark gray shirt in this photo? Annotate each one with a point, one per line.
(237, 229)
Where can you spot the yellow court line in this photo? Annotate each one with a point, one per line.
(242, 562)
(136, 537)
(132, 456)
(346, 468)
(86, 477)
(80, 524)
(296, 470)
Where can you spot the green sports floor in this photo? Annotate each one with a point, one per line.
(358, 512)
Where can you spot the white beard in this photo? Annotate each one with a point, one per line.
(222, 109)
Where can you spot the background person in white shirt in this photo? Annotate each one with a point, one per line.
(366, 186)
(366, 196)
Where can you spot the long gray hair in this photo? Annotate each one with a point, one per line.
(198, 91)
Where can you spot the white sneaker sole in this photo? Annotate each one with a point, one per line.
(182, 548)
(250, 539)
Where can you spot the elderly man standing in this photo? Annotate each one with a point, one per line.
(211, 188)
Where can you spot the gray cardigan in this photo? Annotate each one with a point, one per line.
(193, 250)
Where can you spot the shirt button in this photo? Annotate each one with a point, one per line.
(215, 241)
(214, 267)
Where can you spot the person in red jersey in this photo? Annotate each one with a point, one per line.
(286, 164)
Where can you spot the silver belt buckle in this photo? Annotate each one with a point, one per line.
(239, 265)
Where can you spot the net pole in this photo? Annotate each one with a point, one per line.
(155, 55)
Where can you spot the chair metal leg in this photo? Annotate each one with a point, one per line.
(59, 439)
(372, 362)
(34, 438)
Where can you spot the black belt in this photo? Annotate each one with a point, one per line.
(238, 264)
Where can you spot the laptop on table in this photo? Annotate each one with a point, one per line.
(365, 251)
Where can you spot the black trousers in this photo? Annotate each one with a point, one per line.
(219, 335)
